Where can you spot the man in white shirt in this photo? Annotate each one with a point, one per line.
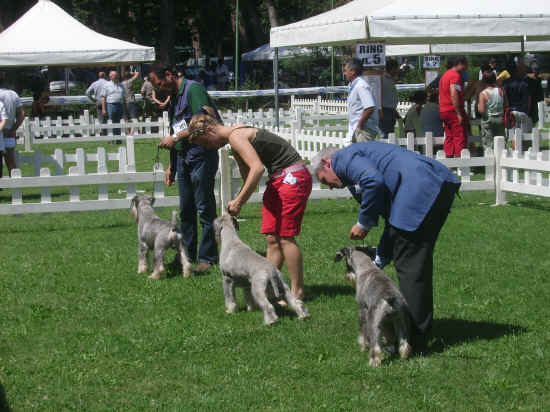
(113, 100)
(94, 94)
(15, 116)
(362, 107)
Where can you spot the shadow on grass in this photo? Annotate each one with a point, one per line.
(69, 228)
(535, 204)
(313, 292)
(4, 405)
(449, 332)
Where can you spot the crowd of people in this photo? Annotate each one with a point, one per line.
(502, 100)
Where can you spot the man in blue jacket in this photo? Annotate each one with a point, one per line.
(414, 195)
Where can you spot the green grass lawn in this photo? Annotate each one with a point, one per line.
(82, 331)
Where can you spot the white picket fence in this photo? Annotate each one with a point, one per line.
(505, 171)
(86, 128)
(334, 106)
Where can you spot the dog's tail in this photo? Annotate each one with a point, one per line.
(275, 281)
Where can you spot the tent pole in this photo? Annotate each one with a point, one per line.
(523, 45)
(66, 81)
(276, 84)
(237, 45)
(332, 55)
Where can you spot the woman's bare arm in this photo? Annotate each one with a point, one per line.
(240, 143)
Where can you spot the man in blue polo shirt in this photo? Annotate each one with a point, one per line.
(414, 195)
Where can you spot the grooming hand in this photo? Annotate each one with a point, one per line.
(356, 233)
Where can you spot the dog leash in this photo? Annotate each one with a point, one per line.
(156, 168)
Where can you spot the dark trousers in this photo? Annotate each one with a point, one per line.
(413, 259)
(196, 193)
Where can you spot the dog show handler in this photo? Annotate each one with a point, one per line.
(287, 191)
(196, 166)
(414, 195)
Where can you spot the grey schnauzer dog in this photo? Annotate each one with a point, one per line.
(383, 312)
(242, 267)
(158, 235)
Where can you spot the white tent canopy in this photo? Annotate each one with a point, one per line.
(420, 22)
(47, 35)
(466, 48)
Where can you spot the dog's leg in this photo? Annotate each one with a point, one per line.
(187, 268)
(373, 333)
(363, 330)
(142, 257)
(402, 329)
(297, 305)
(158, 270)
(249, 299)
(258, 288)
(229, 294)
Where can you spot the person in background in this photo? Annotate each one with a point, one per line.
(113, 101)
(362, 107)
(222, 74)
(94, 94)
(388, 115)
(518, 100)
(147, 94)
(491, 107)
(15, 116)
(534, 81)
(430, 117)
(39, 106)
(130, 97)
(406, 66)
(491, 66)
(413, 120)
(3, 121)
(451, 107)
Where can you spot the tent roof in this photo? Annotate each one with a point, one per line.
(420, 22)
(47, 35)
(265, 52)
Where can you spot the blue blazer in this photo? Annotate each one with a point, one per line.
(391, 182)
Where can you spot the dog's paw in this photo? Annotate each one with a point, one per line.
(231, 309)
(375, 358)
(271, 322)
(155, 276)
(187, 271)
(142, 269)
(405, 350)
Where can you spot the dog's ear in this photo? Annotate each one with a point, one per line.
(370, 251)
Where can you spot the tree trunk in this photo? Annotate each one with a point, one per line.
(272, 13)
(167, 31)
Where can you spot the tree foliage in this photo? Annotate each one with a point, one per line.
(168, 23)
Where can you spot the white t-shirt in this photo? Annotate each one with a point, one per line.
(12, 103)
(113, 92)
(360, 98)
(3, 116)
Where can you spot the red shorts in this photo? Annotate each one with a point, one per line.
(284, 203)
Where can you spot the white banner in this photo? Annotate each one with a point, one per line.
(371, 54)
(432, 62)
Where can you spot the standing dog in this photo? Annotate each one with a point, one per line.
(383, 311)
(157, 234)
(242, 267)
